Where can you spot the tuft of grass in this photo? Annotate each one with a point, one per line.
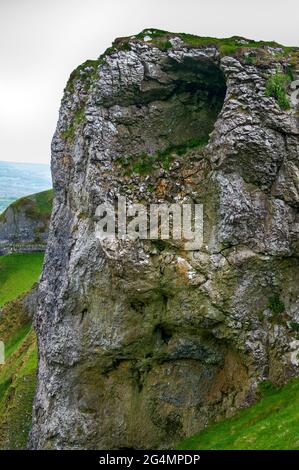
(125, 47)
(85, 72)
(272, 423)
(154, 33)
(276, 87)
(69, 133)
(163, 45)
(18, 273)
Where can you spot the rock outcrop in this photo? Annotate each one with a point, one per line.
(142, 342)
(24, 225)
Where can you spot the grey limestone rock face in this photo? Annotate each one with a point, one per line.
(142, 343)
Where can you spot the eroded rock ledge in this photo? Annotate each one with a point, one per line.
(143, 343)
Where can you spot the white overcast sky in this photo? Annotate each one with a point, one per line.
(42, 41)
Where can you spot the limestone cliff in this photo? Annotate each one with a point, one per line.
(24, 225)
(141, 342)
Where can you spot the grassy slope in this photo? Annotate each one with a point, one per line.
(18, 273)
(36, 206)
(272, 423)
(17, 386)
(43, 201)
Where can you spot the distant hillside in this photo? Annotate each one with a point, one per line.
(17, 179)
(24, 224)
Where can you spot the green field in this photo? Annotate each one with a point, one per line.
(272, 423)
(18, 273)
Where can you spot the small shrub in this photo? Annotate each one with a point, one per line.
(276, 305)
(125, 46)
(294, 325)
(164, 45)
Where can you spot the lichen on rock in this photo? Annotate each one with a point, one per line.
(142, 343)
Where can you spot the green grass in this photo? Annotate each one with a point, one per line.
(69, 133)
(43, 201)
(16, 339)
(18, 273)
(294, 325)
(276, 87)
(276, 305)
(85, 72)
(163, 45)
(17, 387)
(18, 375)
(226, 46)
(145, 164)
(272, 423)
